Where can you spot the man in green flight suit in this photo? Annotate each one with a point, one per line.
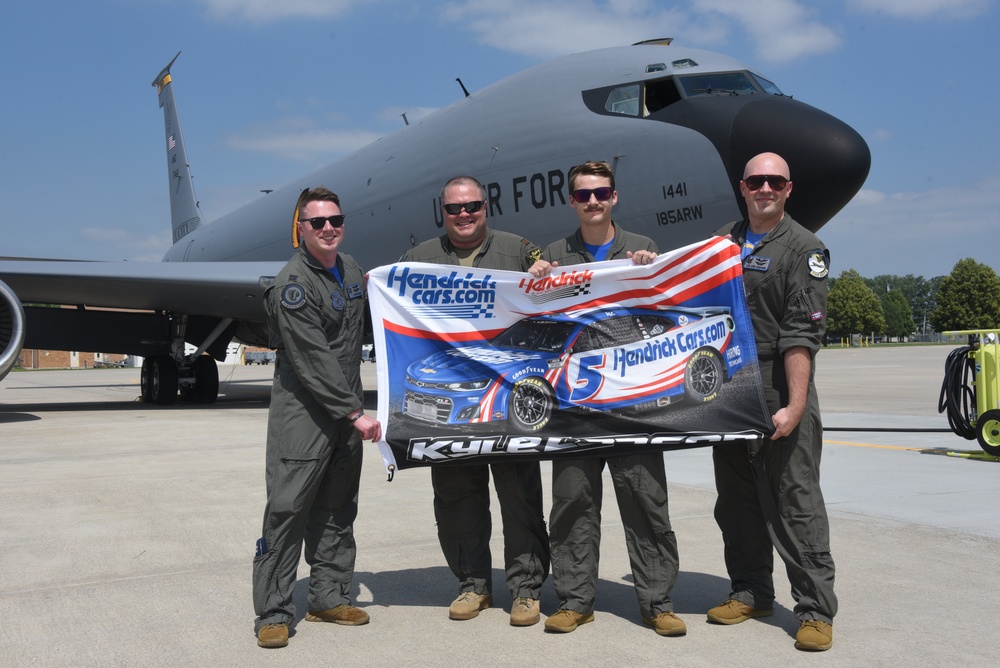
(461, 493)
(770, 498)
(315, 310)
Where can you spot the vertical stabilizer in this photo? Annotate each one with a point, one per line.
(185, 215)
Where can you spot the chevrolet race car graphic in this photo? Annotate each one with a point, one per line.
(603, 359)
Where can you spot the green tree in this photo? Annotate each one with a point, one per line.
(898, 317)
(969, 298)
(919, 292)
(853, 307)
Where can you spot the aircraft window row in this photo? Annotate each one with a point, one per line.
(644, 99)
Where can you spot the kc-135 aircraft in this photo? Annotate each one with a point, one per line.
(676, 124)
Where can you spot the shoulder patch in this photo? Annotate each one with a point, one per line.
(293, 296)
(818, 265)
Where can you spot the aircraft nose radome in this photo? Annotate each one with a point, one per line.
(829, 161)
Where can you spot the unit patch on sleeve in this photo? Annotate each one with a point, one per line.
(293, 296)
(818, 267)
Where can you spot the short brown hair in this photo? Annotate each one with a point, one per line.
(318, 194)
(591, 168)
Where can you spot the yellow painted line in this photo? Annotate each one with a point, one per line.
(966, 454)
(875, 445)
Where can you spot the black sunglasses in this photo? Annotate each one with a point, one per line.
(756, 182)
(319, 222)
(582, 196)
(470, 207)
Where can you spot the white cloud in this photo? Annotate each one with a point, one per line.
(265, 11)
(921, 9)
(545, 29)
(921, 233)
(782, 29)
(304, 146)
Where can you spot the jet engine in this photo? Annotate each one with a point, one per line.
(11, 329)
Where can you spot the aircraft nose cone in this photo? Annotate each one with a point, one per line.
(829, 161)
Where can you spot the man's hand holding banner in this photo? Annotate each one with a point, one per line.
(477, 365)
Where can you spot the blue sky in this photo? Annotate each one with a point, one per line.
(269, 90)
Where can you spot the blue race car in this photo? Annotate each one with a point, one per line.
(603, 359)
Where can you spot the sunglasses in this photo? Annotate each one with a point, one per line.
(470, 207)
(756, 182)
(582, 196)
(320, 222)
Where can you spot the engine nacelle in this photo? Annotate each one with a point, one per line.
(11, 329)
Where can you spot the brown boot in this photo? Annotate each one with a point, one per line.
(814, 635)
(272, 635)
(468, 605)
(345, 614)
(565, 621)
(667, 624)
(524, 612)
(734, 612)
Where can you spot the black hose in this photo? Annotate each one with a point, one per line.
(958, 395)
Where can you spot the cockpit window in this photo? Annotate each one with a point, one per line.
(726, 83)
(624, 100)
(768, 87)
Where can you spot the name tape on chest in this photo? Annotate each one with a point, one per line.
(756, 263)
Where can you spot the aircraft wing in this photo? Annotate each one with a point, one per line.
(217, 289)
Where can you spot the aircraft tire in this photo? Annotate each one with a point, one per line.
(988, 432)
(703, 375)
(163, 386)
(146, 380)
(206, 380)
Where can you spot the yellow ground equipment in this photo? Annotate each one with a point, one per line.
(971, 390)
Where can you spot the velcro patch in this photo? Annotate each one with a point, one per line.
(816, 315)
(756, 263)
(293, 296)
(818, 266)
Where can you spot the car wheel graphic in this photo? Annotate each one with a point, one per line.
(703, 376)
(531, 402)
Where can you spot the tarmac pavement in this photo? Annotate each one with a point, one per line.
(128, 532)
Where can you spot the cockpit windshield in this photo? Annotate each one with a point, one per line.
(646, 98)
(718, 83)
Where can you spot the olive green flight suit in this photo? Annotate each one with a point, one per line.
(313, 462)
(770, 497)
(640, 486)
(461, 493)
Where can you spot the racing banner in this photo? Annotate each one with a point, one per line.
(598, 359)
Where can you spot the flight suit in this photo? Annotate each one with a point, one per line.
(769, 496)
(640, 486)
(461, 493)
(313, 461)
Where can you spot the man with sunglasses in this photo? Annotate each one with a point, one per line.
(315, 310)
(640, 480)
(461, 494)
(769, 497)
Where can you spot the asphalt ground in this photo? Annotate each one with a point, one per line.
(128, 531)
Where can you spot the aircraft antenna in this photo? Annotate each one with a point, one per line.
(464, 89)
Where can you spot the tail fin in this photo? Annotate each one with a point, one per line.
(185, 215)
